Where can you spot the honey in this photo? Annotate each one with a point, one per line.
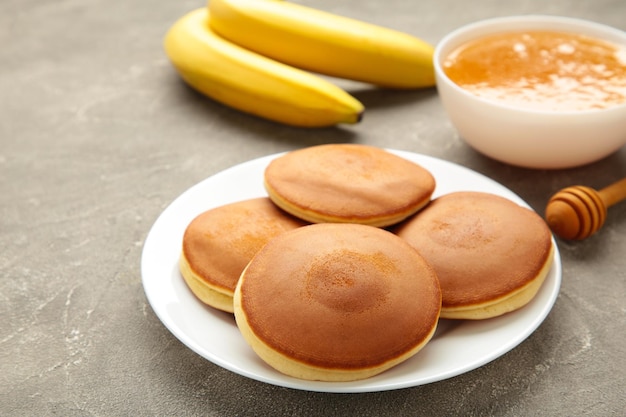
(542, 70)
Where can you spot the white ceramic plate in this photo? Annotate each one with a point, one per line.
(456, 348)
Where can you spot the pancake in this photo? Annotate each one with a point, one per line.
(490, 254)
(348, 183)
(337, 302)
(219, 243)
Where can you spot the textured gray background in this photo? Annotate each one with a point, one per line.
(98, 135)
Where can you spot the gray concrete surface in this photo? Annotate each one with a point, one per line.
(98, 136)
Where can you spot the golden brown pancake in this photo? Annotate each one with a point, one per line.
(219, 243)
(348, 183)
(337, 302)
(490, 254)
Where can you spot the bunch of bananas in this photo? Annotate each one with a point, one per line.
(260, 56)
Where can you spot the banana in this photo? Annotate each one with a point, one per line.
(252, 83)
(325, 43)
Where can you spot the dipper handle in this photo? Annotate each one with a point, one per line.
(614, 193)
(577, 212)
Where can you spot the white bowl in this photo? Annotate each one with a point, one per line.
(530, 138)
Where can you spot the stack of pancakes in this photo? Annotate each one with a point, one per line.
(346, 267)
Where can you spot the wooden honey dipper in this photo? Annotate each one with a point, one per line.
(577, 212)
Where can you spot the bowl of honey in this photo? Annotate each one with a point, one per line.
(537, 91)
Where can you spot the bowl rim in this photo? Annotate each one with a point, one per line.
(476, 26)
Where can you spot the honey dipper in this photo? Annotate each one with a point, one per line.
(577, 212)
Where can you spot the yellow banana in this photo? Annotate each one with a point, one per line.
(325, 43)
(252, 83)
